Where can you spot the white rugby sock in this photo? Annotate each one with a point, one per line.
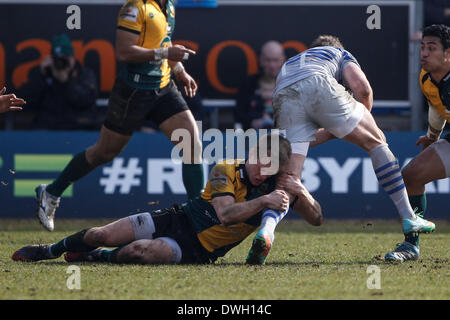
(389, 176)
(270, 219)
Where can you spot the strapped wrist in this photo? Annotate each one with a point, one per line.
(178, 67)
(161, 53)
(432, 135)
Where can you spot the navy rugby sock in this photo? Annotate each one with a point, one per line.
(73, 243)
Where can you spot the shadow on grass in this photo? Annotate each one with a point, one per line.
(374, 226)
(314, 264)
(62, 262)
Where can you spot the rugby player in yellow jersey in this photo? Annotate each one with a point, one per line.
(433, 162)
(195, 232)
(143, 90)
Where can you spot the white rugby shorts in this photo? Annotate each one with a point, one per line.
(316, 102)
(442, 148)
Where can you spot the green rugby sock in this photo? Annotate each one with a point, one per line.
(109, 255)
(419, 202)
(193, 179)
(77, 168)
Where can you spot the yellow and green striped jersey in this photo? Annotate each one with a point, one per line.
(154, 25)
(438, 94)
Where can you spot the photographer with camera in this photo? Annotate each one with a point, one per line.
(63, 94)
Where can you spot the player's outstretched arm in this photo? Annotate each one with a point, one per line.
(229, 212)
(128, 51)
(10, 102)
(436, 124)
(305, 205)
(184, 78)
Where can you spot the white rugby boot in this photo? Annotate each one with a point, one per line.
(47, 205)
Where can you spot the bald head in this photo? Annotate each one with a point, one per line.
(272, 58)
(272, 48)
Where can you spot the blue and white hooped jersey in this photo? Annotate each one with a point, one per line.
(327, 61)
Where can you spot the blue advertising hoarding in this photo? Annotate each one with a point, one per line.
(144, 178)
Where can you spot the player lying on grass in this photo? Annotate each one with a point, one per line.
(195, 232)
(433, 162)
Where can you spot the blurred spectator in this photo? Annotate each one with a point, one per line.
(254, 100)
(263, 118)
(437, 12)
(9, 102)
(62, 93)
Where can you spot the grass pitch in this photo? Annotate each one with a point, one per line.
(327, 262)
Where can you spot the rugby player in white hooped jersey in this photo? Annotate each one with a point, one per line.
(311, 103)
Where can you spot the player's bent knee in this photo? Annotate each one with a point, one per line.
(174, 251)
(136, 251)
(162, 250)
(373, 142)
(97, 156)
(410, 174)
(96, 236)
(407, 174)
(105, 157)
(153, 251)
